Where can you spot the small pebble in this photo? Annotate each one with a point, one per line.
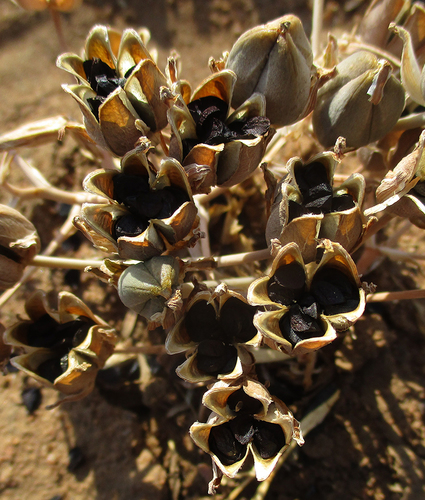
(31, 398)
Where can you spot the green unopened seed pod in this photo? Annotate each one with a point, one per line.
(275, 59)
(361, 103)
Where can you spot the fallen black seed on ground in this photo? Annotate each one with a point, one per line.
(76, 459)
(31, 398)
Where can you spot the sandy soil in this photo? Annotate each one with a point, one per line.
(372, 444)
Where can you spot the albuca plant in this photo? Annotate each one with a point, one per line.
(235, 251)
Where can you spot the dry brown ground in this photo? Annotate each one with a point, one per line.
(372, 445)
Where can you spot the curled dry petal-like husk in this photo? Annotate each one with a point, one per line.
(148, 286)
(361, 103)
(189, 369)
(373, 28)
(394, 193)
(276, 60)
(267, 322)
(126, 113)
(216, 397)
(178, 339)
(19, 244)
(97, 220)
(346, 227)
(222, 164)
(410, 70)
(84, 360)
(61, 5)
(277, 414)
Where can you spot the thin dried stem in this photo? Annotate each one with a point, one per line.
(399, 254)
(57, 21)
(64, 263)
(390, 296)
(54, 194)
(242, 258)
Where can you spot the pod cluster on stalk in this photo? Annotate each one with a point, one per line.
(184, 164)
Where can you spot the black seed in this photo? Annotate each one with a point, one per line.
(327, 294)
(295, 210)
(172, 199)
(268, 439)
(243, 428)
(129, 187)
(224, 445)
(320, 205)
(42, 333)
(201, 323)
(76, 459)
(296, 326)
(95, 103)
(342, 202)
(215, 357)
(64, 363)
(319, 191)
(309, 306)
(129, 225)
(31, 398)
(50, 369)
(240, 402)
(310, 176)
(333, 289)
(287, 284)
(236, 320)
(102, 78)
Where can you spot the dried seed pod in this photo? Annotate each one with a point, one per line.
(215, 148)
(412, 76)
(276, 60)
(119, 88)
(402, 191)
(64, 349)
(230, 438)
(307, 207)
(148, 287)
(61, 5)
(307, 303)
(149, 212)
(212, 332)
(361, 103)
(19, 244)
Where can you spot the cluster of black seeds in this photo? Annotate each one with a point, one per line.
(103, 80)
(59, 338)
(229, 440)
(209, 114)
(216, 336)
(331, 292)
(316, 191)
(134, 193)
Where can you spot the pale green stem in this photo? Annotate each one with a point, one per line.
(316, 31)
(242, 258)
(416, 120)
